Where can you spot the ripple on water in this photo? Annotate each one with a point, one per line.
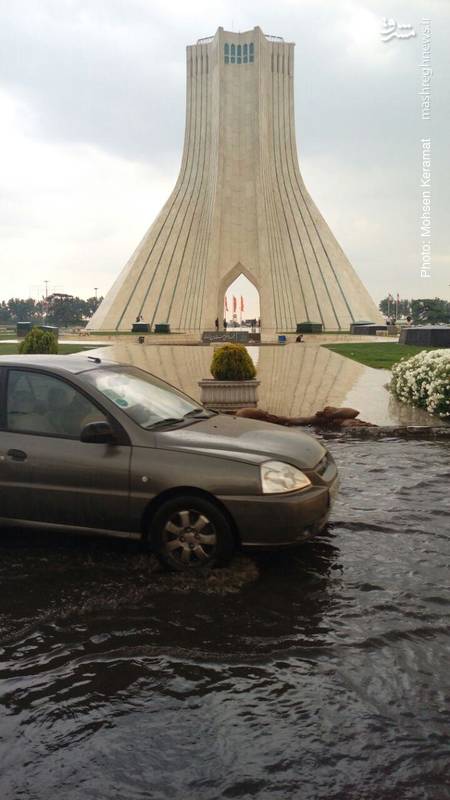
(321, 673)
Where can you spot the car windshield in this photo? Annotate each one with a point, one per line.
(149, 401)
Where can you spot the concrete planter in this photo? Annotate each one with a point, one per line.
(228, 395)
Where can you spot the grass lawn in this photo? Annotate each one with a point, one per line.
(63, 349)
(379, 355)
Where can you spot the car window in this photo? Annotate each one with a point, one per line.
(40, 403)
(145, 398)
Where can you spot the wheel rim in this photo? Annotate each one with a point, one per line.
(190, 538)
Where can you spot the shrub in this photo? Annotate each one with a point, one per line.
(424, 381)
(39, 341)
(231, 362)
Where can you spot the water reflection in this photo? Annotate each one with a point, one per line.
(321, 673)
(295, 594)
(296, 379)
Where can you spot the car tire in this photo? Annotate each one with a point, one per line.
(189, 532)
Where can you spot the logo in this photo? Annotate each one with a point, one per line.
(390, 29)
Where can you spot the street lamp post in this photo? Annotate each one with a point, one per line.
(46, 301)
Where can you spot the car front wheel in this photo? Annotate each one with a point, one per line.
(191, 533)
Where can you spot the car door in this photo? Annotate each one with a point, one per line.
(47, 475)
(13, 494)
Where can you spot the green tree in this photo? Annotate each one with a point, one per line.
(22, 310)
(58, 309)
(39, 341)
(430, 311)
(65, 311)
(92, 303)
(388, 308)
(5, 315)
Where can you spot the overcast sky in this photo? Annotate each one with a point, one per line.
(92, 103)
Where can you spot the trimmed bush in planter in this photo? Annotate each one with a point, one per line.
(232, 363)
(39, 341)
(233, 385)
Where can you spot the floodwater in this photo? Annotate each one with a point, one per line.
(318, 674)
(296, 379)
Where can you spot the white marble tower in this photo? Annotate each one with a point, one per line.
(239, 206)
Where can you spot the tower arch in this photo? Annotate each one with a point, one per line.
(229, 278)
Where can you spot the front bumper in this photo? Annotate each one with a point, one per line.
(268, 521)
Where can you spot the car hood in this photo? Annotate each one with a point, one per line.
(245, 440)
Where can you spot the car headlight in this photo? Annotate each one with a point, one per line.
(277, 477)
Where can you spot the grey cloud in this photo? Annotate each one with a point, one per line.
(96, 79)
(112, 74)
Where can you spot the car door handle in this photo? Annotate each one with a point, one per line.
(17, 455)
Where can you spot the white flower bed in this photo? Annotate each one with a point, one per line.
(424, 380)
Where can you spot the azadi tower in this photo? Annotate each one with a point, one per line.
(239, 206)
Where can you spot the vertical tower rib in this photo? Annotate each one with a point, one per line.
(239, 205)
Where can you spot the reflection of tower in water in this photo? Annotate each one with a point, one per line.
(298, 379)
(295, 379)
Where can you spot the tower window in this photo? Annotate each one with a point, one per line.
(238, 54)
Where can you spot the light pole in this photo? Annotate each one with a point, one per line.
(46, 302)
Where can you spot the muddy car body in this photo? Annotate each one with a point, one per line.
(93, 446)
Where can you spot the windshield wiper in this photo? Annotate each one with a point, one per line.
(199, 413)
(161, 422)
(191, 416)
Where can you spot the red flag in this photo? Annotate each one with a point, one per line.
(234, 304)
(242, 303)
(398, 297)
(226, 303)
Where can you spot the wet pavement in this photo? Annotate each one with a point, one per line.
(322, 673)
(296, 379)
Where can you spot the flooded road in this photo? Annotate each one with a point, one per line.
(322, 673)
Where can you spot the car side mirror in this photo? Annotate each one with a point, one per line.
(98, 433)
